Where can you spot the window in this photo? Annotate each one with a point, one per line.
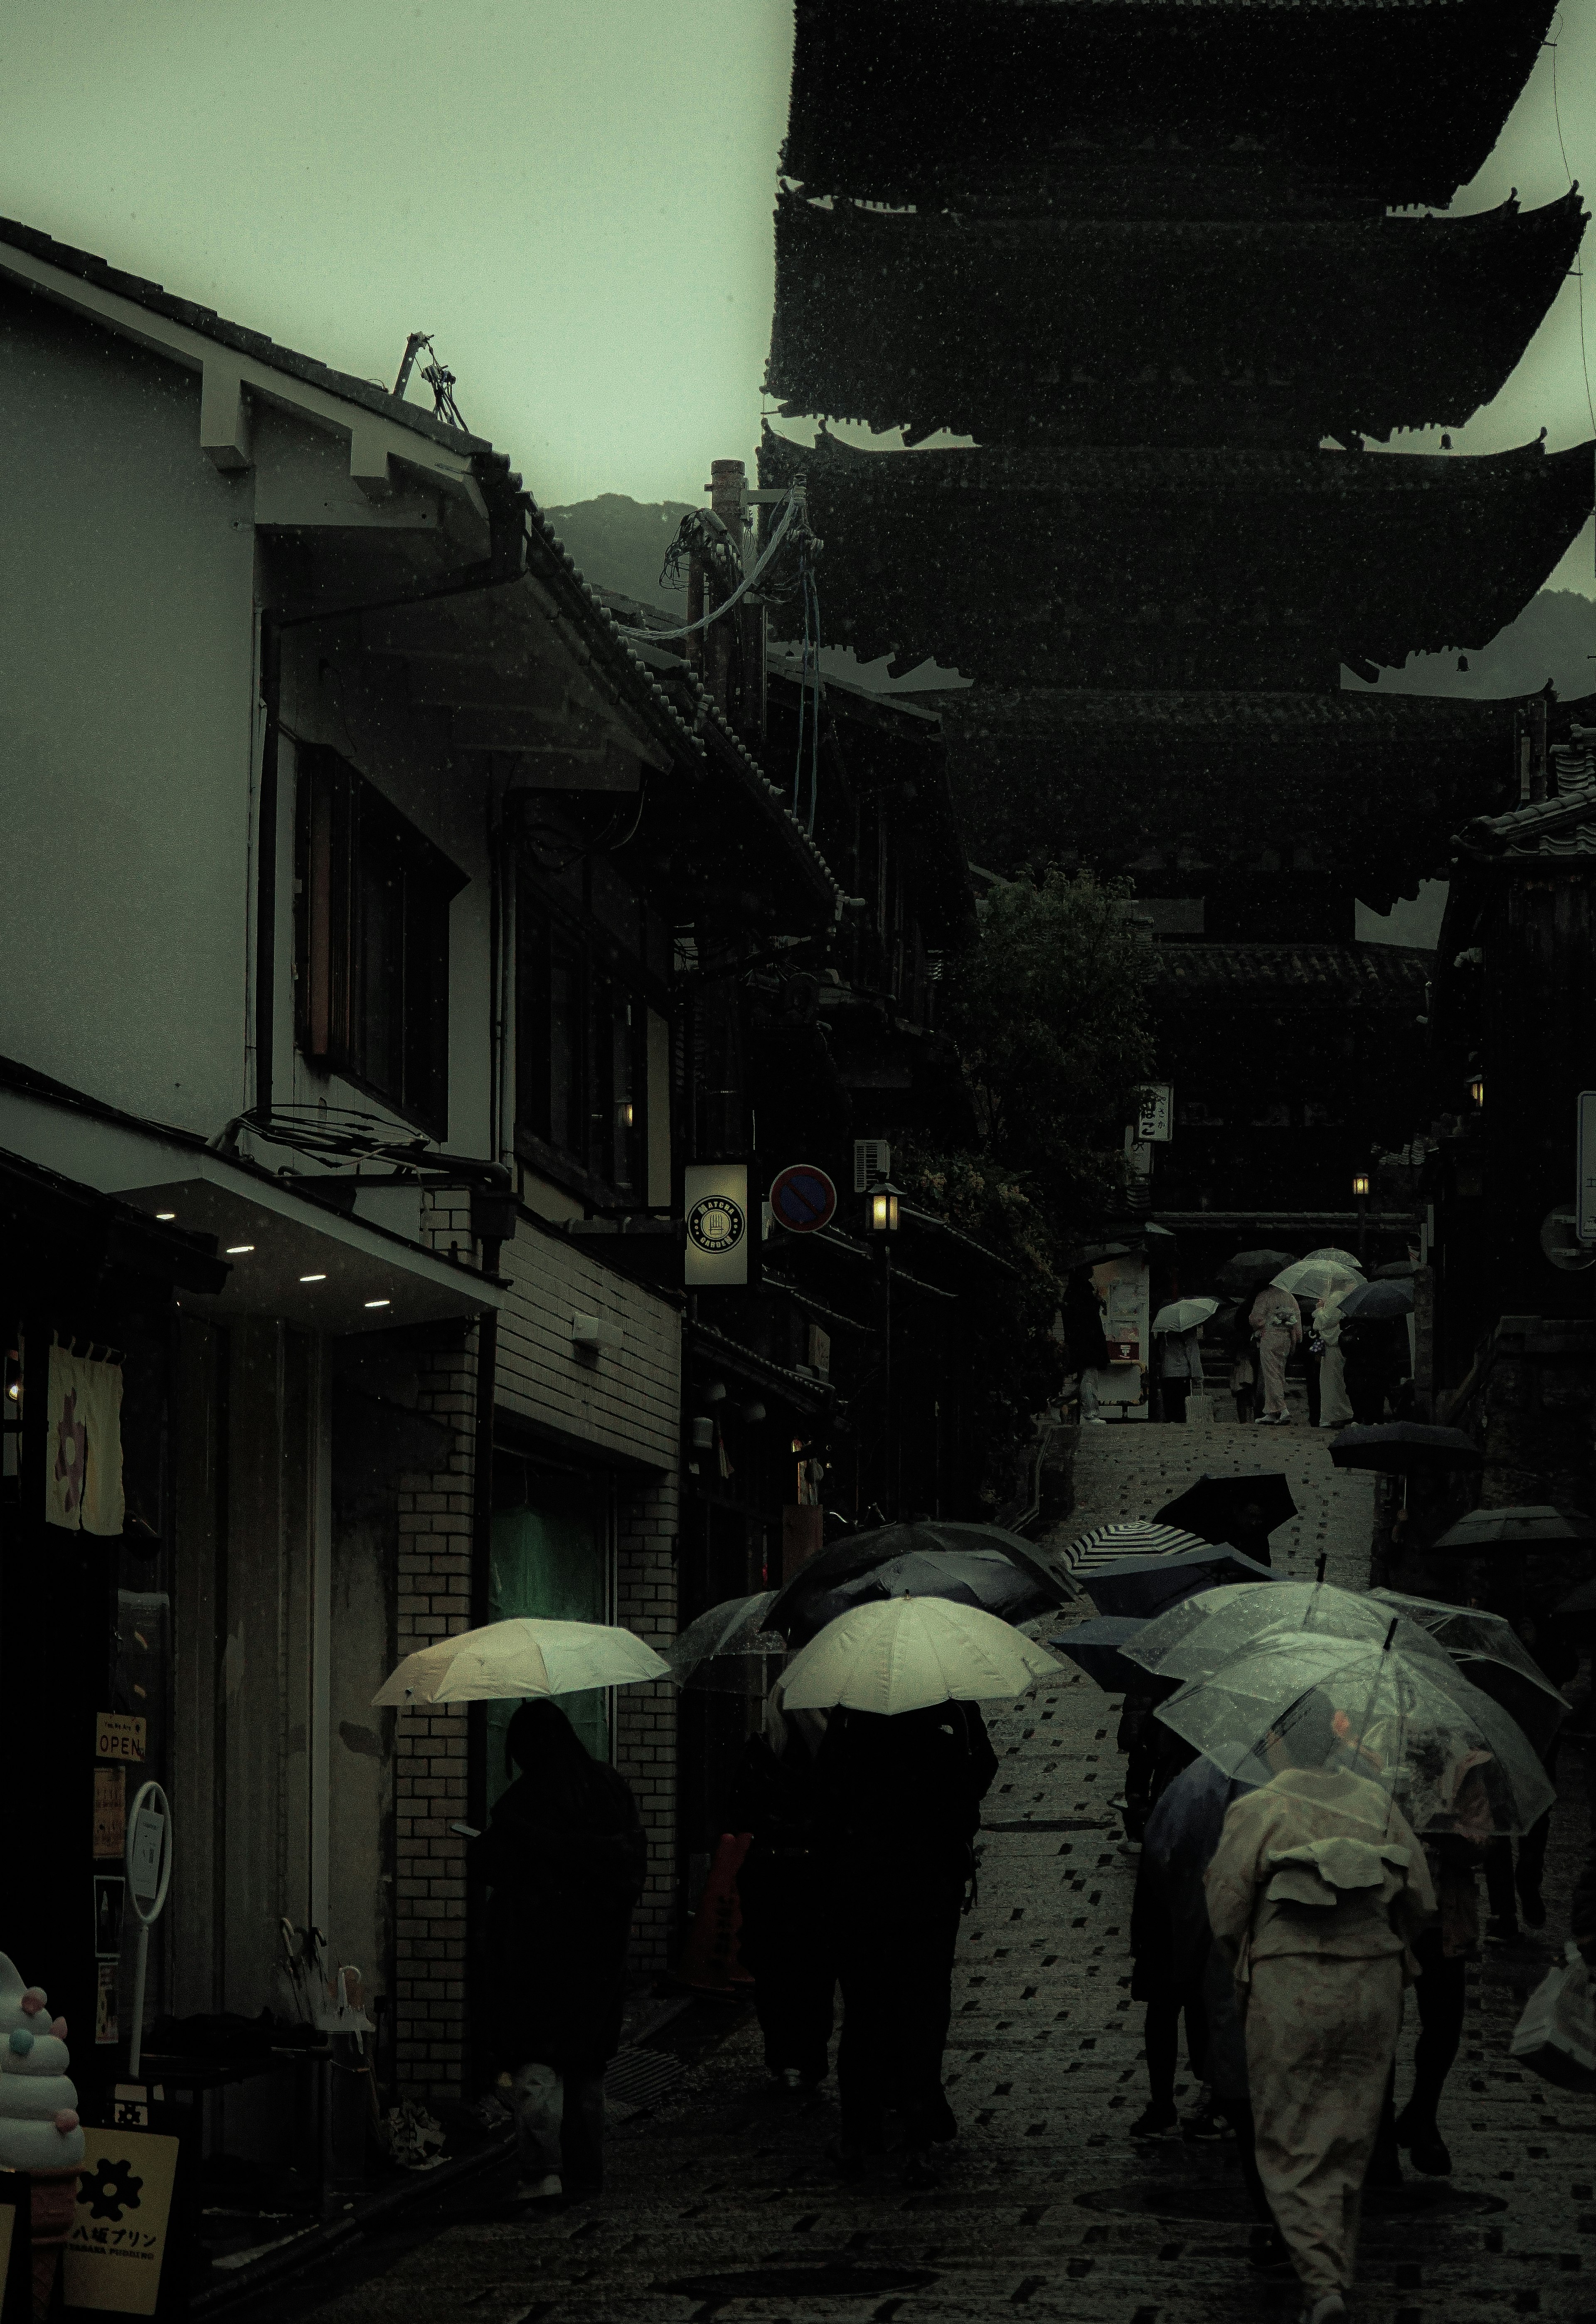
(581, 1050)
(372, 920)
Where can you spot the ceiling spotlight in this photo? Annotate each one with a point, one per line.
(166, 1214)
(237, 1249)
(379, 1303)
(312, 1279)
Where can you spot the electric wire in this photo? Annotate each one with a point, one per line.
(689, 628)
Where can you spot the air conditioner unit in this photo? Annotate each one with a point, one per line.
(873, 1161)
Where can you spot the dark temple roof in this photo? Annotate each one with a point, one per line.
(1550, 830)
(1157, 330)
(941, 101)
(1160, 566)
(1364, 788)
(1345, 975)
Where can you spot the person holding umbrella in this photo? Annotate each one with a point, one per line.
(1315, 1891)
(786, 1939)
(1276, 1318)
(1180, 1328)
(564, 1857)
(900, 1780)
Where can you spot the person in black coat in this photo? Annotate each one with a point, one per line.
(786, 1936)
(565, 1856)
(898, 1803)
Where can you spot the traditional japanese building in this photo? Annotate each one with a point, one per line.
(1153, 260)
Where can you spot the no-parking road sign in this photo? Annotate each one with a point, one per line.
(802, 1198)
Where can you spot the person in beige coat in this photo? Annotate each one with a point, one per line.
(1314, 1891)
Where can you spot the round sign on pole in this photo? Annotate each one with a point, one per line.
(802, 1198)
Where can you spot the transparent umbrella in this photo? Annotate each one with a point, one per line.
(1343, 1258)
(1200, 1636)
(714, 1650)
(1316, 1278)
(1492, 1656)
(1451, 1758)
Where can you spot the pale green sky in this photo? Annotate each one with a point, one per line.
(574, 196)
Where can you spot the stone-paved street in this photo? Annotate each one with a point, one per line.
(721, 2202)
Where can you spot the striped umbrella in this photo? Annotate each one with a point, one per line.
(1109, 1544)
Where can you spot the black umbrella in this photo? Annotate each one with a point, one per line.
(1395, 1270)
(1514, 1528)
(1396, 1445)
(1242, 1510)
(1093, 1254)
(974, 1565)
(1375, 1303)
(1140, 1587)
(1095, 1645)
(1239, 1276)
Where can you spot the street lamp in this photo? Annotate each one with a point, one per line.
(881, 1219)
(1361, 1189)
(1477, 1088)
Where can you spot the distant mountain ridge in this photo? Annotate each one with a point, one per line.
(619, 544)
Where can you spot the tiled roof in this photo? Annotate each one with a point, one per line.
(902, 101)
(369, 393)
(545, 552)
(1110, 328)
(1384, 718)
(1350, 971)
(1562, 826)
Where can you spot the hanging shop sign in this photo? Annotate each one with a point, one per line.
(1155, 1123)
(110, 1811)
(1585, 1199)
(123, 2221)
(714, 1196)
(802, 1198)
(118, 1735)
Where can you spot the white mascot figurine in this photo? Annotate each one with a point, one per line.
(37, 2104)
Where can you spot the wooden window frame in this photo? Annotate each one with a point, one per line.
(545, 919)
(344, 828)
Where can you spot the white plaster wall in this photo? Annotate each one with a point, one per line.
(126, 686)
(628, 1402)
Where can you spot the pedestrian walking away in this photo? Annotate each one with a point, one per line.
(1335, 1410)
(1180, 1368)
(899, 1804)
(1278, 1325)
(564, 1857)
(786, 1940)
(1315, 1891)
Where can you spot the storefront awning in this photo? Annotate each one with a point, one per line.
(289, 1255)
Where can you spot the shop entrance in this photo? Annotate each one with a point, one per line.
(551, 1554)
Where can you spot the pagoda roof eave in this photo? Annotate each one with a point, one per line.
(1038, 565)
(1404, 97)
(1030, 328)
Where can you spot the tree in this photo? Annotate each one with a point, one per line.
(1049, 1007)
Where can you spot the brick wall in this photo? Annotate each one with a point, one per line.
(434, 1601)
(630, 1403)
(646, 1716)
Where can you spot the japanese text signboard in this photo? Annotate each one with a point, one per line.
(115, 2252)
(1155, 1124)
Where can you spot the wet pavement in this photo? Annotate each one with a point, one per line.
(721, 2202)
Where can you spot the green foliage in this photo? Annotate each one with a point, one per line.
(1049, 1007)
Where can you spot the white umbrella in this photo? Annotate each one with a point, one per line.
(526, 1657)
(1337, 1258)
(1181, 1314)
(1315, 1278)
(904, 1653)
